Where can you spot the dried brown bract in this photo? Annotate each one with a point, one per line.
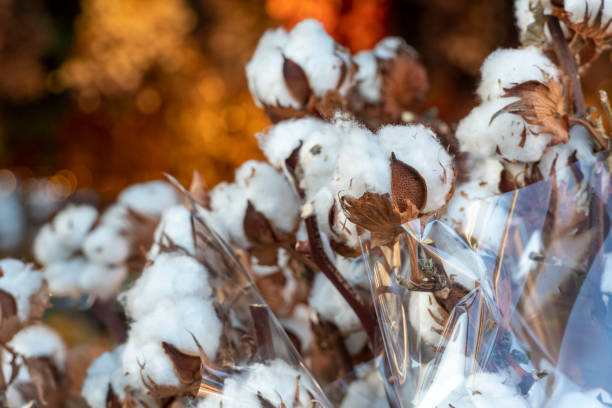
(9, 321)
(540, 104)
(588, 30)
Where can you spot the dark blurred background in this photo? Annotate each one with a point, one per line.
(99, 94)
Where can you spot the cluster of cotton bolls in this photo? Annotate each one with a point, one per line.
(305, 72)
(84, 252)
(24, 296)
(504, 149)
(330, 160)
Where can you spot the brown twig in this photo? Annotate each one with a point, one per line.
(568, 64)
(263, 333)
(364, 312)
(599, 139)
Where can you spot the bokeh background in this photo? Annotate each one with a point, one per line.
(98, 94)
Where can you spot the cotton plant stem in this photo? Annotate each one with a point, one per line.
(363, 311)
(105, 313)
(568, 64)
(263, 333)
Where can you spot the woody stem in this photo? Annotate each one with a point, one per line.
(568, 64)
(364, 312)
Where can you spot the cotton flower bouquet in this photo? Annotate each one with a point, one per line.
(378, 258)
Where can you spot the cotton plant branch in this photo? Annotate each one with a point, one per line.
(364, 312)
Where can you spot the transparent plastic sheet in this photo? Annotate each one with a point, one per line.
(533, 330)
(256, 365)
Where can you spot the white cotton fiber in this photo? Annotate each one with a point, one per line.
(508, 66)
(318, 159)
(106, 245)
(265, 71)
(389, 47)
(276, 381)
(64, 277)
(100, 375)
(279, 141)
(170, 276)
(48, 248)
(150, 198)
(417, 146)
(479, 135)
(102, 280)
(20, 281)
(228, 202)
(72, 224)
(322, 59)
(147, 360)
(578, 10)
(270, 193)
(331, 306)
(367, 79)
(181, 318)
(175, 229)
(424, 316)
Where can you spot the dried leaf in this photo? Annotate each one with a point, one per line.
(46, 378)
(39, 301)
(408, 187)
(280, 113)
(297, 81)
(112, 400)
(9, 321)
(186, 367)
(540, 104)
(257, 228)
(375, 213)
(327, 106)
(199, 191)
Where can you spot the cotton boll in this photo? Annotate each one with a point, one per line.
(48, 248)
(280, 140)
(270, 193)
(579, 147)
(524, 14)
(102, 281)
(353, 269)
(172, 276)
(367, 79)
(150, 198)
(106, 245)
(331, 306)
(64, 277)
(322, 59)
(228, 202)
(275, 381)
(486, 171)
(578, 10)
(265, 71)
(116, 216)
(21, 282)
(389, 47)
(147, 359)
(417, 146)
(35, 341)
(182, 318)
(481, 134)
(100, 376)
(507, 67)
(72, 224)
(299, 325)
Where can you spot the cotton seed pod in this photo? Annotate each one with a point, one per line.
(299, 72)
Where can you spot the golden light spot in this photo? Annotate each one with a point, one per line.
(89, 100)
(148, 101)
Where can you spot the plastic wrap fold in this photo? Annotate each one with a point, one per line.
(512, 308)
